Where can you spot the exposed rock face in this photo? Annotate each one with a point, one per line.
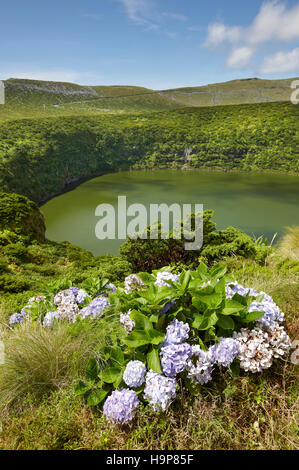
(22, 216)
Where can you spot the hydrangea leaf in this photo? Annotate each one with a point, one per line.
(225, 322)
(96, 397)
(111, 374)
(153, 361)
(232, 307)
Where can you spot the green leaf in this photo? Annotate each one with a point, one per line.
(185, 278)
(153, 360)
(253, 316)
(209, 319)
(117, 356)
(81, 388)
(212, 301)
(96, 397)
(218, 271)
(232, 307)
(111, 374)
(92, 371)
(235, 369)
(137, 339)
(197, 320)
(225, 322)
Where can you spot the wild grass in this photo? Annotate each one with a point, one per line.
(289, 245)
(253, 411)
(259, 412)
(39, 360)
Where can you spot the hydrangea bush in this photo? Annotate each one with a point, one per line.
(174, 329)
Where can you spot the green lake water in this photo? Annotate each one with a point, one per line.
(259, 204)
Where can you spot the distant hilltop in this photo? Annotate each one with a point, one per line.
(69, 97)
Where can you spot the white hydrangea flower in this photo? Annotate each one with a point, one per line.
(65, 296)
(68, 310)
(258, 347)
(126, 321)
(133, 283)
(159, 390)
(164, 276)
(49, 319)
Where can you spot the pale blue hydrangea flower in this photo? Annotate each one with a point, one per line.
(164, 276)
(80, 296)
(120, 407)
(235, 288)
(134, 374)
(272, 313)
(225, 351)
(111, 287)
(159, 390)
(174, 358)
(177, 332)
(49, 319)
(16, 318)
(96, 308)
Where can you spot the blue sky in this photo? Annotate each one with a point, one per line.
(159, 44)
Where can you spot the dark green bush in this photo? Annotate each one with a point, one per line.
(146, 255)
(13, 284)
(16, 253)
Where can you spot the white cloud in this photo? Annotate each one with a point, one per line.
(145, 13)
(138, 11)
(281, 62)
(274, 23)
(240, 57)
(219, 33)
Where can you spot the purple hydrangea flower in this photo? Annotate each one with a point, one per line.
(272, 313)
(134, 374)
(164, 276)
(177, 332)
(96, 308)
(159, 390)
(120, 407)
(174, 358)
(16, 318)
(225, 351)
(74, 290)
(167, 307)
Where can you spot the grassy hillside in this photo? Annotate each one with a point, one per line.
(252, 90)
(32, 98)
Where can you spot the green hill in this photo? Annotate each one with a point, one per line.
(32, 98)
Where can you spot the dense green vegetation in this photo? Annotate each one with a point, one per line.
(39, 406)
(39, 158)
